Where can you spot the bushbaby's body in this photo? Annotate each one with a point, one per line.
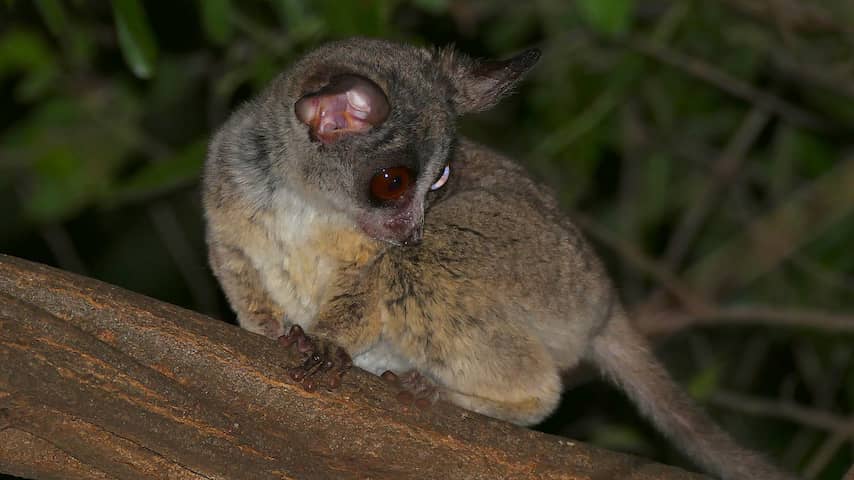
(471, 296)
(481, 284)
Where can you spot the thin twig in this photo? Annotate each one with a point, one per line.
(811, 371)
(800, 446)
(58, 241)
(833, 279)
(62, 247)
(786, 411)
(816, 75)
(772, 238)
(825, 453)
(664, 323)
(634, 149)
(698, 311)
(632, 254)
(180, 250)
(797, 15)
(831, 322)
(583, 123)
(749, 364)
(724, 170)
(712, 75)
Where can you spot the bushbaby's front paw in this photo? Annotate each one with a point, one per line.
(322, 360)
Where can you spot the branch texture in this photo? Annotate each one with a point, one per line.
(98, 382)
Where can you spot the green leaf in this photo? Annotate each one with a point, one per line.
(75, 38)
(611, 17)
(298, 17)
(216, 18)
(181, 168)
(655, 178)
(60, 188)
(619, 437)
(71, 153)
(291, 12)
(53, 14)
(813, 154)
(706, 382)
(433, 6)
(36, 85)
(25, 52)
(370, 17)
(135, 37)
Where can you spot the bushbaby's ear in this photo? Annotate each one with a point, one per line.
(349, 104)
(480, 85)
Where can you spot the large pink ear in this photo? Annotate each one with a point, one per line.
(480, 85)
(349, 104)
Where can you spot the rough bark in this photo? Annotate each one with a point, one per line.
(99, 382)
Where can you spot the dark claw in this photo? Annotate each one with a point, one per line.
(320, 359)
(295, 333)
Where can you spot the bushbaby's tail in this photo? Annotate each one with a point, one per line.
(625, 358)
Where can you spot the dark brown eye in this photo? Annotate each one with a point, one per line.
(391, 183)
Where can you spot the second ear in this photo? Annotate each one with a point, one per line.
(349, 104)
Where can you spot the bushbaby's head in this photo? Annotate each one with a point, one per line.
(367, 126)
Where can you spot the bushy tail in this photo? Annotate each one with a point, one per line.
(625, 358)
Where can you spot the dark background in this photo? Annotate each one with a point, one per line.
(705, 147)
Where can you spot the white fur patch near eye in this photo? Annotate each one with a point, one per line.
(443, 179)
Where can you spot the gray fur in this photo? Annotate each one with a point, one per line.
(502, 295)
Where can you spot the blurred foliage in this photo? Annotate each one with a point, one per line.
(714, 137)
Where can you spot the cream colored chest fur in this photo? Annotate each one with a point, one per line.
(294, 266)
(297, 260)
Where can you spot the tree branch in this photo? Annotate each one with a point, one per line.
(98, 382)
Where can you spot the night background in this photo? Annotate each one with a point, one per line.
(705, 147)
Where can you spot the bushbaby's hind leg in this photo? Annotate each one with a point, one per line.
(521, 410)
(241, 282)
(517, 406)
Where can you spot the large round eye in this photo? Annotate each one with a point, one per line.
(391, 183)
(443, 179)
